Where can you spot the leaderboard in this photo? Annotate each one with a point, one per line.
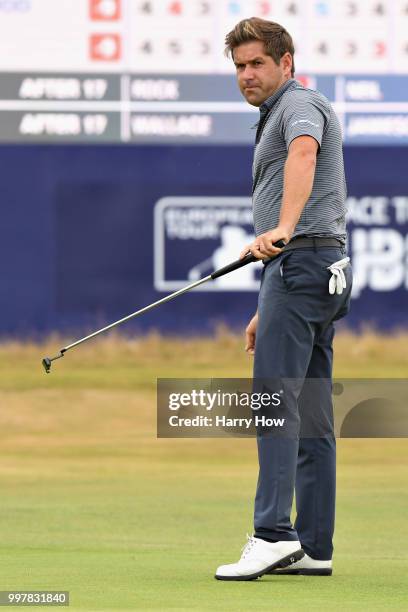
(154, 71)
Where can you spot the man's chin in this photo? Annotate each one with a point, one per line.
(253, 100)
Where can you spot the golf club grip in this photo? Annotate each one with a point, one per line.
(239, 263)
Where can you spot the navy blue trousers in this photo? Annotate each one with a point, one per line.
(294, 340)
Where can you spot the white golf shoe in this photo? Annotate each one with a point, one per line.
(260, 557)
(306, 567)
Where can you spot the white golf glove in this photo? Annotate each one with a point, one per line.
(337, 282)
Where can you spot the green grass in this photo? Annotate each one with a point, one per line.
(92, 502)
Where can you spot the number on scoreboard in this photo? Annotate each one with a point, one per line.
(292, 8)
(204, 8)
(176, 8)
(146, 47)
(264, 8)
(105, 10)
(146, 8)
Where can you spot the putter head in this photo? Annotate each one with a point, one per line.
(47, 364)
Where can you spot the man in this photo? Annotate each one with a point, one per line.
(299, 196)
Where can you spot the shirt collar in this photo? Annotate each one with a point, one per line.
(271, 101)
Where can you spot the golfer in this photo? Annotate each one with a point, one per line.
(299, 194)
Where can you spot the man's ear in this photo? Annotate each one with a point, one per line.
(286, 63)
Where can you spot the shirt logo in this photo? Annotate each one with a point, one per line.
(304, 121)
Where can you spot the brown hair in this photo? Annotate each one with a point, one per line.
(276, 39)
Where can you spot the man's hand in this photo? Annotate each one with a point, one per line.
(262, 247)
(250, 334)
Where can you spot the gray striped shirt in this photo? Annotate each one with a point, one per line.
(290, 112)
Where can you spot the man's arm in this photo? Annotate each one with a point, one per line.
(298, 181)
(297, 186)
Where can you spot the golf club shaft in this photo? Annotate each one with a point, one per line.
(139, 312)
(235, 265)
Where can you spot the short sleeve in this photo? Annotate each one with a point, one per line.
(304, 116)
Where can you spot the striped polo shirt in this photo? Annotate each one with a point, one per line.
(290, 112)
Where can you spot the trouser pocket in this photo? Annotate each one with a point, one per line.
(338, 282)
(282, 267)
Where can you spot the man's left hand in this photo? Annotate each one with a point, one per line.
(262, 247)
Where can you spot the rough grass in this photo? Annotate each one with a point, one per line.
(140, 361)
(94, 503)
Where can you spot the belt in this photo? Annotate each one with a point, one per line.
(307, 242)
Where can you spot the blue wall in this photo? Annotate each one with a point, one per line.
(77, 246)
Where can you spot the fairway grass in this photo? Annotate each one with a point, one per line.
(92, 502)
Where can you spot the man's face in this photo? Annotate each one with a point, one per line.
(258, 75)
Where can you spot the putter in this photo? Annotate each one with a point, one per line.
(235, 265)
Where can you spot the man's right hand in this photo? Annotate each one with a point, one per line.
(250, 334)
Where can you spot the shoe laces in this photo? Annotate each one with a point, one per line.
(248, 546)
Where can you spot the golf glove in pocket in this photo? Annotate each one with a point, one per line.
(337, 282)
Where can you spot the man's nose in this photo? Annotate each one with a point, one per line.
(248, 73)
